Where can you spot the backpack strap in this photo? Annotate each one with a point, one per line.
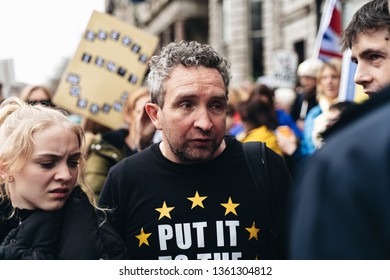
(255, 156)
(256, 160)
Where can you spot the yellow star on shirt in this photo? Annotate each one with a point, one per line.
(197, 200)
(230, 206)
(253, 231)
(143, 238)
(164, 211)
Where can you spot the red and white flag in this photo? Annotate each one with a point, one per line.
(327, 44)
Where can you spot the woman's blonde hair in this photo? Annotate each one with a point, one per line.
(18, 123)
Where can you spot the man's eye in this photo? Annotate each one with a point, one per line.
(375, 57)
(218, 106)
(186, 105)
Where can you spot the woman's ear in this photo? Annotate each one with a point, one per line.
(153, 111)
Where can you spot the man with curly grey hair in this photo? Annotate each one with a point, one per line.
(191, 196)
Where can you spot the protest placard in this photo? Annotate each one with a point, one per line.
(110, 62)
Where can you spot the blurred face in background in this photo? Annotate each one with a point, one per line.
(38, 95)
(307, 83)
(330, 82)
(141, 123)
(139, 109)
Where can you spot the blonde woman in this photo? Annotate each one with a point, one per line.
(328, 82)
(43, 212)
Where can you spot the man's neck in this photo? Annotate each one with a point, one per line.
(167, 153)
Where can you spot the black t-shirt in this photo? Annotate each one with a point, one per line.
(209, 210)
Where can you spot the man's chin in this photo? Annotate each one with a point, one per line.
(195, 155)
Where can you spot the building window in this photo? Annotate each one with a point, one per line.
(256, 15)
(299, 48)
(256, 37)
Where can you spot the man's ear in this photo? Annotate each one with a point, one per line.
(153, 111)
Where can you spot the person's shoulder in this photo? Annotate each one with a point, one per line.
(364, 132)
(140, 158)
(231, 141)
(106, 150)
(284, 117)
(281, 114)
(360, 111)
(299, 97)
(314, 112)
(115, 137)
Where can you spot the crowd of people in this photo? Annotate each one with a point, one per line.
(174, 182)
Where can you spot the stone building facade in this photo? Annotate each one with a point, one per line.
(247, 32)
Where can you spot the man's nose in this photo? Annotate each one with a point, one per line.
(362, 76)
(203, 120)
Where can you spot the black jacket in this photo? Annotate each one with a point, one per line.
(342, 208)
(73, 232)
